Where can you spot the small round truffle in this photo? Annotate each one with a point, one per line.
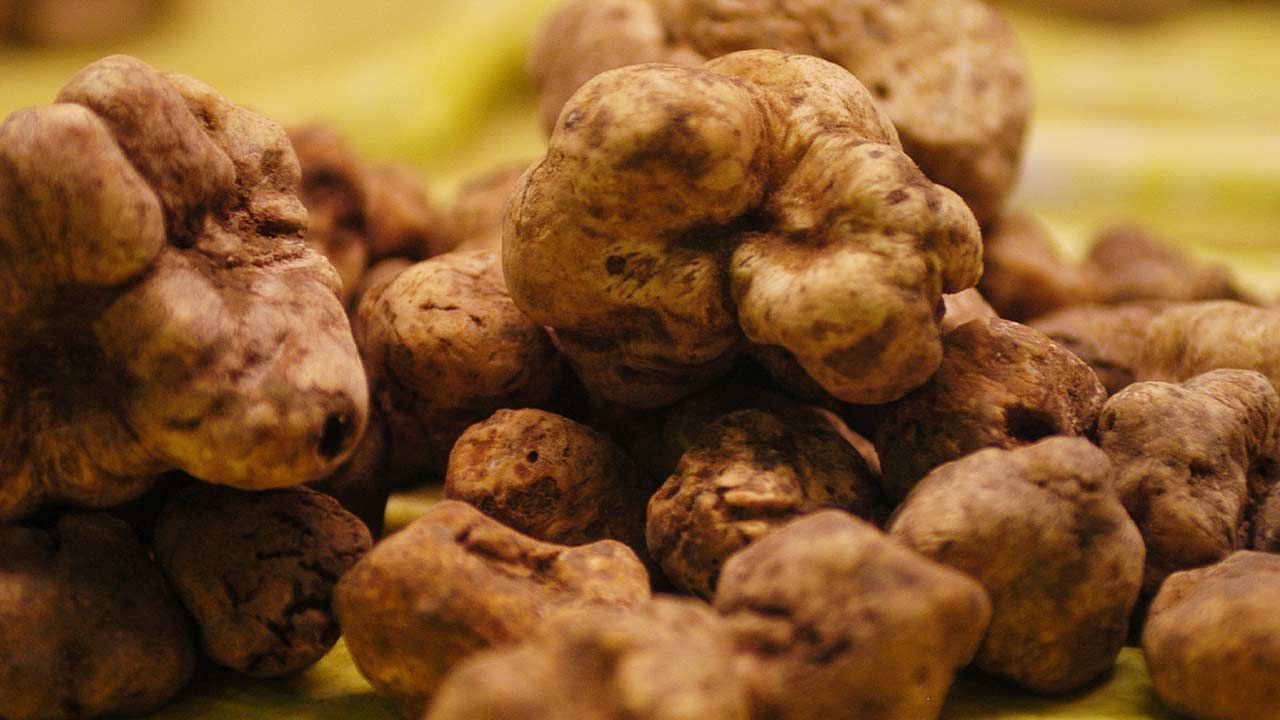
(671, 659)
(87, 625)
(456, 582)
(257, 572)
(550, 478)
(1023, 274)
(1212, 640)
(1001, 385)
(1043, 531)
(745, 475)
(1188, 460)
(445, 348)
(834, 620)
(473, 221)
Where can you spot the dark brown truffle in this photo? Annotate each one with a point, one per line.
(1043, 531)
(257, 571)
(1001, 385)
(748, 473)
(834, 620)
(87, 625)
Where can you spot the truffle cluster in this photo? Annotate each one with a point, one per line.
(730, 337)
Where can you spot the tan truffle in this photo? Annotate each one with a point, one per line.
(257, 571)
(1194, 338)
(1130, 263)
(1023, 275)
(949, 74)
(1001, 385)
(87, 625)
(360, 212)
(456, 582)
(1110, 338)
(834, 620)
(550, 478)
(1184, 456)
(445, 348)
(172, 316)
(676, 218)
(670, 659)
(1212, 642)
(1043, 531)
(474, 220)
(745, 475)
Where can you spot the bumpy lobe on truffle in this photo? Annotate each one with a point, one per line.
(159, 306)
(1212, 642)
(950, 74)
(257, 571)
(87, 624)
(1188, 462)
(1001, 385)
(835, 620)
(446, 347)
(1043, 531)
(671, 659)
(681, 214)
(745, 475)
(456, 582)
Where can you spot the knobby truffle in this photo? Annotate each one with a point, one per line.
(681, 214)
(159, 306)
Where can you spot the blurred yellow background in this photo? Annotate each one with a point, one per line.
(1174, 122)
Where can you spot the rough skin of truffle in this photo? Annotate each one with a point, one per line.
(456, 582)
(1001, 385)
(550, 478)
(745, 475)
(257, 572)
(1189, 461)
(445, 348)
(949, 73)
(1043, 531)
(158, 304)
(1194, 338)
(834, 620)
(1212, 642)
(671, 659)
(87, 625)
(682, 214)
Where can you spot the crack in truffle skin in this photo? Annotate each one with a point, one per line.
(160, 308)
(681, 215)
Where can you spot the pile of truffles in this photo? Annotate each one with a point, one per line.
(757, 329)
